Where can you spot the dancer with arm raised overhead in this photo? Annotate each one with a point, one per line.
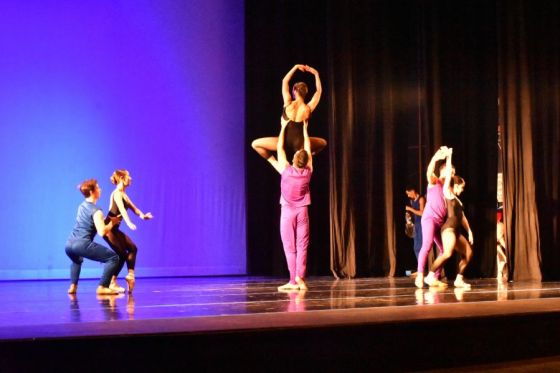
(295, 196)
(295, 112)
(434, 213)
(451, 235)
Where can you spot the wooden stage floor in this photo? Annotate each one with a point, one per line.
(35, 311)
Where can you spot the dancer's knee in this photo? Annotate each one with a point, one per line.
(446, 254)
(256, 144)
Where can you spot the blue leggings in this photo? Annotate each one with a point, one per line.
(79, 249)
(417, 239)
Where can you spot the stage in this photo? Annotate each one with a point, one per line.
(372, 323)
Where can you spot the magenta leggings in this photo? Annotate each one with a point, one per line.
(431, 232)
(294, 230)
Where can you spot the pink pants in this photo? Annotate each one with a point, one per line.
(294, 230)
(431, 232)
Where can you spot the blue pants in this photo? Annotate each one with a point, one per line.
(79, 249)
(417, 239)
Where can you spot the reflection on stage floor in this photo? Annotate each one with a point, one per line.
(35, 309)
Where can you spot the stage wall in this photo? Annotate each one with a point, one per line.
(156, 87)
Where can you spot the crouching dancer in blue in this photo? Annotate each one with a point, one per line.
(80, 244)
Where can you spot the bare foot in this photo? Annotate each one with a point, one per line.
(73, 289)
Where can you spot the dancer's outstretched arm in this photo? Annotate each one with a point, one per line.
(448, 170)
(286, 83)
(146, 216)
(430, 172)
(280, 163)
(319, 89)
(307, 144)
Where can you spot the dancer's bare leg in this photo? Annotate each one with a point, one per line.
(501, 260)
(317, 144)
(464, 249)
(265, 146)
(448, 239)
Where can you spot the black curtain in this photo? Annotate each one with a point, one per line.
(400, 79)
(396, 69)
(529, 68)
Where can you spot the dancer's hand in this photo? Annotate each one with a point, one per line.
(471, 238)
(132, 226)
(146, 216)
(300, 67)
(311, 70)
(441, 153)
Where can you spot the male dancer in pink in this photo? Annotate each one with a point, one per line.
(433, 216)
(294, 198)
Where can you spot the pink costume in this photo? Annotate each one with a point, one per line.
(433, 218)
(294, 219)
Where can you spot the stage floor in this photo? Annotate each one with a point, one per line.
(43, 310)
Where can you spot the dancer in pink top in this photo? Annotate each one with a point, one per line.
(434, 215)
(294, 198)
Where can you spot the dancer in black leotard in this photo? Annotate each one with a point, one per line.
(451, 235)
(296, 111)
(119, 241)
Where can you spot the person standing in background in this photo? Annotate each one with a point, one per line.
(416, 208)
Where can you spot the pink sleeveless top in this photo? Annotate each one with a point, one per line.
(294, 187)
(435, 208)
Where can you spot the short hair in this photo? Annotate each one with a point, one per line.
(301, 159)
(87, 187)
(301, 88)
(410, 187)
(119, 175)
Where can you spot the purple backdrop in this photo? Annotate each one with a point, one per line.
(156, 87)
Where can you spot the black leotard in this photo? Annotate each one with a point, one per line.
(293, 135)
(119, 241)
(454, 214)
(115, 210)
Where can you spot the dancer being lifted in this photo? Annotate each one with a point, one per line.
(119, 241)
(434, 214)
(294, 198)
(295, 112)
(451, 229)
